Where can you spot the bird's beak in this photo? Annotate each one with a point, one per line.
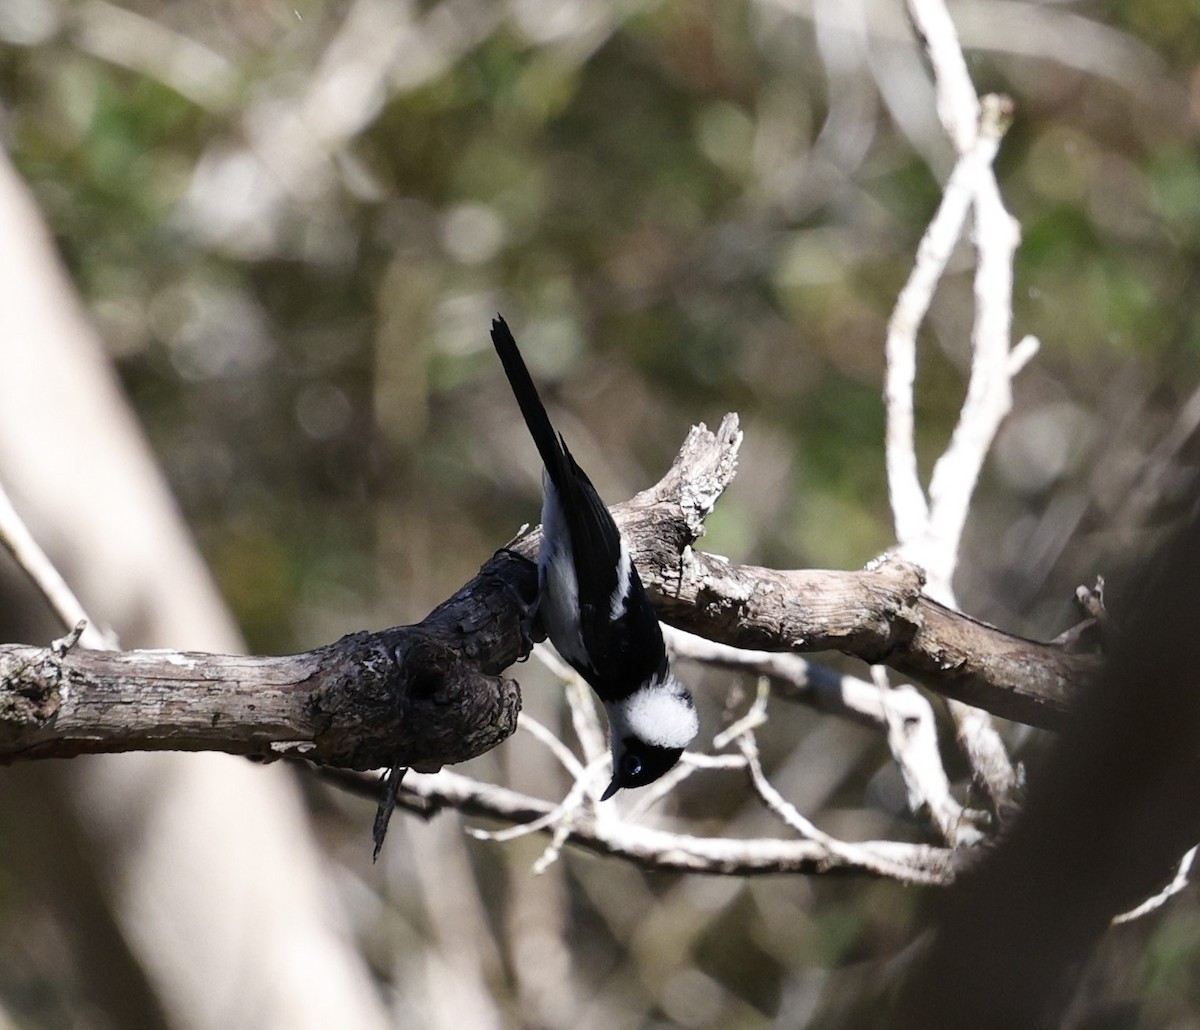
(610, 790)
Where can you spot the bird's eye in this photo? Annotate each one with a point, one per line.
(631, 765)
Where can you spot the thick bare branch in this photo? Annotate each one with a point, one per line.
(879, 615)
(420, 695)
(430, 694)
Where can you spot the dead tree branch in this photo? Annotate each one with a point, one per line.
(431, 694)
(879, 614)
(663, 849)
(422, 695)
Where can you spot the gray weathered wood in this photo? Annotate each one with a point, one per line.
(422, 695)
(431, 694)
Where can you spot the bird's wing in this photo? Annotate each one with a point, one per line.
(627, 649)
(624, 651)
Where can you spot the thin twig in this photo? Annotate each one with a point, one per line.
(580, 703)
(913, 741)
(957, 102)
(756, 716)
(557, 815)
(989, 390)
(902, 712)
(556, 747)
(36, 564)
(1169, 891)
(910, 509)
(660, 849)
(863, 855)
(661, 788)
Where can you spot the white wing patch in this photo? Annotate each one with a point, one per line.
(616, 603)
(659, 712)
(558, 604)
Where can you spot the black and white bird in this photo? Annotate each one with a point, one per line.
(593, 606)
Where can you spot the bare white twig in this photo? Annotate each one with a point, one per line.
(559, 815)
(661, 788)
(527, 722)
(1024, 352)
(865, 856)
(1169, 891)
(775, 801)
(554, 849)
(755, 716)
(913, 741)
(660, 849)
(910, 510)
(580, 703)
(585, 720)
(794, 678)
(957, 102)
(690, 762)
(902, 712)
(981, 744)
(989, 391)
(34, 562)
(929, 528)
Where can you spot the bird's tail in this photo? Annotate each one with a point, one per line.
(547, 441)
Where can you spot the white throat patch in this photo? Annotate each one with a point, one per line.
(660, 713)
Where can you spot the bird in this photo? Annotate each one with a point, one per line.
(593, 606)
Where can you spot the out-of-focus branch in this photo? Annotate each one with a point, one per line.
(359, 703)
(1156, 901)
(33, 561)
(1106, 818)
(957, 103)
(929, 531)
(172, 834)
(902, 712)
(426, 795)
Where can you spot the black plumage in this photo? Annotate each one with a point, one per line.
(621, 653)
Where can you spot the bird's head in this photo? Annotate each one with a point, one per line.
(637, 764)
(649, 730)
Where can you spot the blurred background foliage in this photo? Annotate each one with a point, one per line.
(293, 222)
